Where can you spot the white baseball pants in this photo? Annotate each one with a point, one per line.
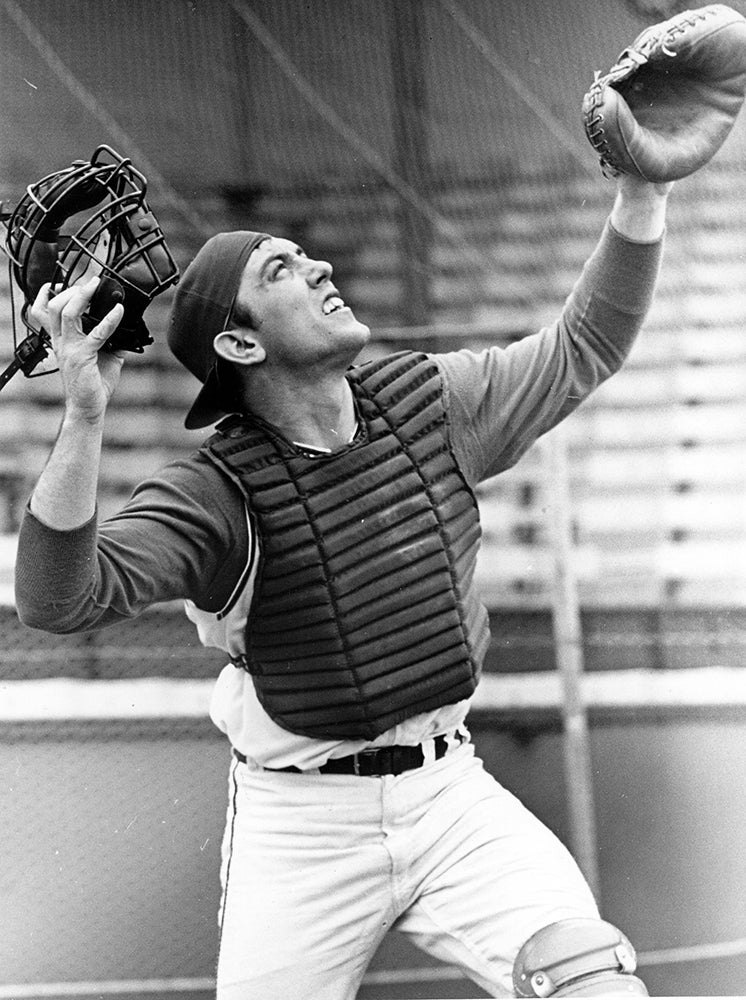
(317, 868)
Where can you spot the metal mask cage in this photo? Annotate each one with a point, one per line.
(92, 215)
(135, 239)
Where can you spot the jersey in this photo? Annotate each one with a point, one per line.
(187, 534)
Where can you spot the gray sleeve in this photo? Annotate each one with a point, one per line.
(183, 534)
(502, 399)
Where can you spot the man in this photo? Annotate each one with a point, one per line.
(325, 538)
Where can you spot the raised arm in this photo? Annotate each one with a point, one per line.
(183, 534)
(65, 495)
(502, 399)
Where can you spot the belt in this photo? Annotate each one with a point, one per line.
(375, 763)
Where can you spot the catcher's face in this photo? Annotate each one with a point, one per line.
(298, 316)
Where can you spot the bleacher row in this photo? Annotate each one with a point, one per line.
(657, 458)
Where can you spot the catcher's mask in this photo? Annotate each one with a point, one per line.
(92, 218)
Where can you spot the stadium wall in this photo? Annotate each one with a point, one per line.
(132, 897)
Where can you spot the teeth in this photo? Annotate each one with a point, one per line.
(331, 304)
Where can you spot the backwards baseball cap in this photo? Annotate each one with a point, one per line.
(202, 307)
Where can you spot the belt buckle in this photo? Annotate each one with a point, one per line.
(365, 755)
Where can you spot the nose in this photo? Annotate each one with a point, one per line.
(318, 271)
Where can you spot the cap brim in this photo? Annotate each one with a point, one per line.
(207, 408)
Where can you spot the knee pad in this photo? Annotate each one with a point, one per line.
(577, 958)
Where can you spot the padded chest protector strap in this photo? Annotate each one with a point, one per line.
(364, 612)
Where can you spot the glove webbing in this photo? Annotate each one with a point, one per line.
(629, 61)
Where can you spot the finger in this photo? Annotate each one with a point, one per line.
(103, 330)
(42, 296)
(82, 291)
(69, 305)
(39, 308)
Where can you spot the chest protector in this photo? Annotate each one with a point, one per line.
(364, 610)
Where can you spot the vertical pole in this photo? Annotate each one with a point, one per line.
(568, 641)
(411, 157)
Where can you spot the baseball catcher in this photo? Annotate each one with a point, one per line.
(670, 101)
(91, 218)
(325, 537)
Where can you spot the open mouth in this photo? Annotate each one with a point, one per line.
(332, 303)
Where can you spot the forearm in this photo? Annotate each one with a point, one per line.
(65, 495)
(610, 302)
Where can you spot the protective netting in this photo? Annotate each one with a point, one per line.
(433, 152)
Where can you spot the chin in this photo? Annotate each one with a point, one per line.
(357, 334)
(364, 333)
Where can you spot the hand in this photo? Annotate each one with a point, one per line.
(89, 376)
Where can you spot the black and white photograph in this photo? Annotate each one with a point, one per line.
(372, 499)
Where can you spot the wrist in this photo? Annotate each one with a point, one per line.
(83, 418)
(639, 211)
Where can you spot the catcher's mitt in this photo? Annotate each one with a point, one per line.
(671, 99)
(90, 218)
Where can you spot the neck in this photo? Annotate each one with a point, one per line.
(321, 415)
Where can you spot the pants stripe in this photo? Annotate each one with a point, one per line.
(229, 859)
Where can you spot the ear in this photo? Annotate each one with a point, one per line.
(239, 347)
